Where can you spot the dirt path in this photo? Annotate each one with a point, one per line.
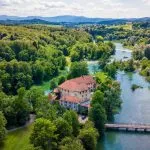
(31, 120)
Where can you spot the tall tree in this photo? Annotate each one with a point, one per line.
(78, 69)
(147, 51)
(97, 98)
(97, 114)
(88, 135)
(44, 109)
(63, 128)
(71, 144)
(22, 107)
(2, 126)
(43, 134)
(72, 118)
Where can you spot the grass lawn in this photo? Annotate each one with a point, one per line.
(17, 140)
(125, 26)
(46, 85)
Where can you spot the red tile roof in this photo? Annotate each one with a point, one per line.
(84, 79)
(78, 84)
(71, 99)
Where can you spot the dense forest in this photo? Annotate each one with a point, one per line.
(31, 55)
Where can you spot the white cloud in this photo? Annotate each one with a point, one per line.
(94, 8)
(147, 2)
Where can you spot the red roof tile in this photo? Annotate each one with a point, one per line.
(78, 84)
(71, 99)
(84, 79)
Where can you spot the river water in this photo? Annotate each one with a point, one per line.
(135, 108)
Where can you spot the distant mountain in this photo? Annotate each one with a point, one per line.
(32, 21)
(66, 18)
(69, 19)
(74, 19)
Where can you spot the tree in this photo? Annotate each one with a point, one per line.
(43, 134)
(78, 69)
(44, 109)
(8, 109)
(99, 39)
(2, 126)
(112, 46)
(88, 135)
(97, 114)
(63, 128)
(33, 95)
(22, 107)
(75, 56)
(102, 62)
(138, 53)
(112, 101)
(6, 52)
(129, 66)
(1, 86)
(97, 98)
(72, 118)
(147, 51)
(53, 84)
(111, 70)
(61, 80)
(38, 73)
(31, 147)
(71, 144)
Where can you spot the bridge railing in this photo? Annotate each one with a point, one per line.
(140, 124)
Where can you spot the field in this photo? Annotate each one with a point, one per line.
(125, 26)
(17, 140)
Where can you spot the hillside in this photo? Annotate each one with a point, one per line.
(66, 19)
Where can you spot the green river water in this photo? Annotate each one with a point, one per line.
(135, 108)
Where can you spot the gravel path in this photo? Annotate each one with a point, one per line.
(32, 118)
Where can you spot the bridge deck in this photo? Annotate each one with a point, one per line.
(128, 126)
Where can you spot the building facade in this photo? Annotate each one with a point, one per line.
(73, 93)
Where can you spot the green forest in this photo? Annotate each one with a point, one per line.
(31, 55)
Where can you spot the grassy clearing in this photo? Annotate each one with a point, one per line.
(46, 85)
(125, 26)
(17, 140)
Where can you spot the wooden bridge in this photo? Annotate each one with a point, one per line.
(128, 127)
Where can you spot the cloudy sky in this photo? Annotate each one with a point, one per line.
(90, 8)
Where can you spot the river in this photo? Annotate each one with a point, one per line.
(135, 108)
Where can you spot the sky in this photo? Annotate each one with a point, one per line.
(88, 8)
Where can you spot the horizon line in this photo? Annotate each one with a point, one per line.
(77, 16)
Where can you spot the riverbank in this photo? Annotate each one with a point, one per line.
(135, 109)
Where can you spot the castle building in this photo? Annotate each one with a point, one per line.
(76, 92)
